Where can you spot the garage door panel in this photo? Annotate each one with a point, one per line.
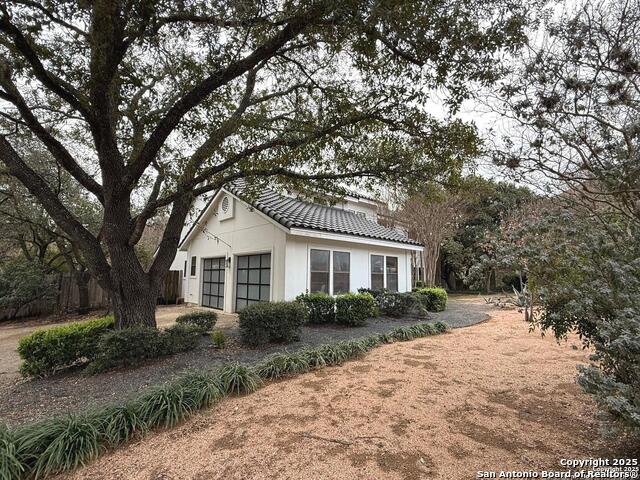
(253, 279)
(213, 282)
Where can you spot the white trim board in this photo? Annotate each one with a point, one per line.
(354, 239)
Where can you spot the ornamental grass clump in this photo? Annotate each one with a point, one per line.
(10, 465)
(58, 444)
(201, 389)
(238, 378)
(166, 405)
(356, 348)
(120, 423)
(333, 354)
(401, 334)
(314, 357)
(283, 364)
(441, 327)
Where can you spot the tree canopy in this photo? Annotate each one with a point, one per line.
(150, 104)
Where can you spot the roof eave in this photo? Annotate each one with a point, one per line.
(346, 237)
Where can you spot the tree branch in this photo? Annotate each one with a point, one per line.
(59, 152)
(58, 86)
(221, 77)
(58, 212)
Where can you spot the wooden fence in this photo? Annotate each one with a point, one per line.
(68, 297)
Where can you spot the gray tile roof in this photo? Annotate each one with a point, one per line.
(296, 213)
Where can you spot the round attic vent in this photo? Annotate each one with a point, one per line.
(225, 205)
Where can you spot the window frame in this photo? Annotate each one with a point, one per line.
(371, 273)
(385, 283)
(333, 272)
(331, 250)
(397, 274)
(328, 272)
(193, 267)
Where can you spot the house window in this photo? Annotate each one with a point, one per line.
(341, 270)
(319, 271)
(377, 272)
(392, 274)
(193, 266)
(184, 272)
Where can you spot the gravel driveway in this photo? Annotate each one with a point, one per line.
(25, 400)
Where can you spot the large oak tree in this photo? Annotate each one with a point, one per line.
(149, 104)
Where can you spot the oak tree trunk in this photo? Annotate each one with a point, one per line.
(133, 299)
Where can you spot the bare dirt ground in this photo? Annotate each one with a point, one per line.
(488, 397)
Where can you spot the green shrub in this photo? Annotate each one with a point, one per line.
(23, 282)
(435, 297)
(218, 338)
(131, 346)
(321, 308)
(205, 321)
(179, 338)
(265, 322)
(126, 347)
(282, 364)
(47, 350)
(238, 378)
(353, 309)
(396, 304)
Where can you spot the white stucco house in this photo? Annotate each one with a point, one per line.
(236, 253)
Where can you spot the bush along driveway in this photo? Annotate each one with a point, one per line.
(66, 442)
(27, 400)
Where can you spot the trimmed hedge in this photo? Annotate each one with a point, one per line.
(205, 321)
(353, 309)
(131, 346)
(321, 307)
(47, 350)
(266, 322)
(435, 298)
(395, 304)
(66, 442)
